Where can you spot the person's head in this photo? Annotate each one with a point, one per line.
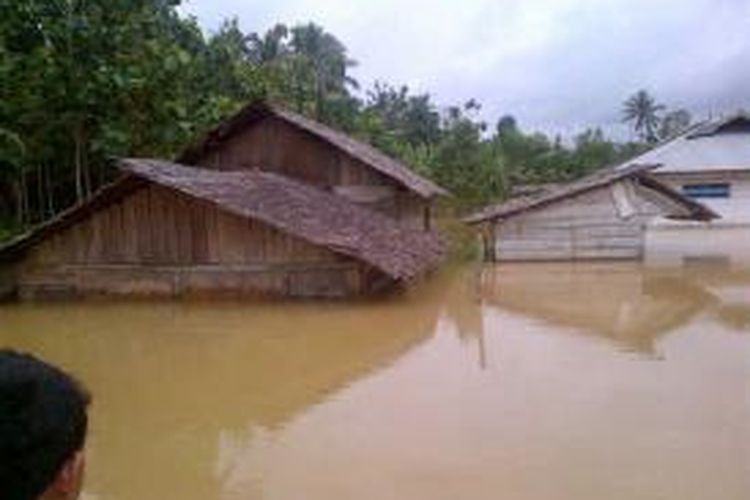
(43, 426)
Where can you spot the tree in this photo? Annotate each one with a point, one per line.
(412, 118)
(82, 81)
(674, 123)
(465, 163)
(506, 125)
(643, 112)
(270, 47)
(320, 60)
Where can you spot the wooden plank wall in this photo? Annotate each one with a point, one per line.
(587, 226)
(275, 145)
(156, 225)
(160, 241)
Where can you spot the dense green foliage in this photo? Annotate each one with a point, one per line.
(83, 81)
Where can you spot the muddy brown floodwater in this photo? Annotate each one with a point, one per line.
(544, 382)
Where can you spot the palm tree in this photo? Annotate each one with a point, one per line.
(642, 110)
(327, 59)
(269, 47)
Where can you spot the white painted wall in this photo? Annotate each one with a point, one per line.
(723, 241)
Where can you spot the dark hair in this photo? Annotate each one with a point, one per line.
(43, 423)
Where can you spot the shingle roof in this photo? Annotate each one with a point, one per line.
(304, 211)
(290, 206)
(600, 178)
(255, 112)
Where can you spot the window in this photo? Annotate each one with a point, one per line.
(708, 190)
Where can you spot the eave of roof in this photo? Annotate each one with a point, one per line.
(254, 112)
(697, 211)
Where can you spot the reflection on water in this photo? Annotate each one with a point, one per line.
(523, 381)
(625, 302)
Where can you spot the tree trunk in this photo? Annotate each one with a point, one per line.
(86, 174)
(18, 193)
(78, 159)
(49, 193)
(40, 192)
(24, 219)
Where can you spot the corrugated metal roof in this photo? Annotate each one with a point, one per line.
(713, 146)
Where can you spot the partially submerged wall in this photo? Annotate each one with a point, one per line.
(332, 281)
(605, 223)
(159, 242)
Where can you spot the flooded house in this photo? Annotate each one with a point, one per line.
(268, 202)
(601, 216)
(272, 138)
(710, 163)
(169, 229)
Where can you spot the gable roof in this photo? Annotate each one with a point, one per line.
(719, 145)
(255, 112)
(600, 178)
(290, 206)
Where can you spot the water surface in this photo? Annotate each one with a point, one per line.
(546, 381)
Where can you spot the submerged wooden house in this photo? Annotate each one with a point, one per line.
(268, 202)
(275, 139)
(169, 229)
(601, 216)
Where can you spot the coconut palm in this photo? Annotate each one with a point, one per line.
(643, 112)
(269, 47)
(326, 59)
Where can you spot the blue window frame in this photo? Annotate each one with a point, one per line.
(707, 190)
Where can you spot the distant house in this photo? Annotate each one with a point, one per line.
(168, 229)
(601, 216)
(711, 164)
(271, 138)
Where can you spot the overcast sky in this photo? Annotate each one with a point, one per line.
(557, 65)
